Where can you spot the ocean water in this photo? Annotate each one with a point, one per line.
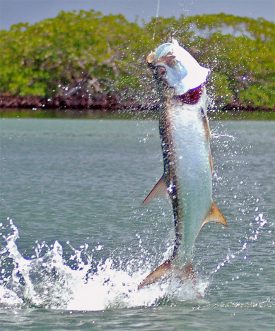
(75, 240)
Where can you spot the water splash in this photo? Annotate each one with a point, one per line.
(47, 280)
(54, 280)
(247, 242)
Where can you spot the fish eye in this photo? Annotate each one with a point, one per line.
(171, 60)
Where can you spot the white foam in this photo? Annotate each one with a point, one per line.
(45, 280)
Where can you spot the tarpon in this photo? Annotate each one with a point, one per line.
(188, 166)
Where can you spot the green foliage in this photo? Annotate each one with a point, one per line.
(60, 51)
(107, 53)
(219, 89)
(258, 95)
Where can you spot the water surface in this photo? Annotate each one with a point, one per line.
(75, 240)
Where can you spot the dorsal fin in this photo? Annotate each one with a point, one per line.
(215, 215)
(159, 189)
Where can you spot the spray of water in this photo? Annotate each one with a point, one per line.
(247, 243)
(46, 280)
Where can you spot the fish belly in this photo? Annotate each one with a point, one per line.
(193, 174)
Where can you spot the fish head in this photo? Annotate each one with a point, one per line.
(176, 68)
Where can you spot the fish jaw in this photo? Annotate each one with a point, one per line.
(181, 72)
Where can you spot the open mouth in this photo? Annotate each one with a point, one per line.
(160, 71)
(175, 68)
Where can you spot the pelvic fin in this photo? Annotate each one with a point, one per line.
(159, 189)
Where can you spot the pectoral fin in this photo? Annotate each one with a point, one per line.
(159, 189)
(215, 215)
(159, 273)
(206, 127)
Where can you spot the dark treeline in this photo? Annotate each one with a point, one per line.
(82, 55)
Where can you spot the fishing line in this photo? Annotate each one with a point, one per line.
(171, 34)
(156, 16)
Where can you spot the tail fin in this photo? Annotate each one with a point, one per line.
(185, 273)
(161, 272)
(166, 269)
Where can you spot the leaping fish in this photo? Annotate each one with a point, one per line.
(185, 141)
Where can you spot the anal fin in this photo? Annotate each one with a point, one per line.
(159, 189)
(215, 215)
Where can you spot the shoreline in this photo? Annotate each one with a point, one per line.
(103, 102)
(124, 115)
(109, 106)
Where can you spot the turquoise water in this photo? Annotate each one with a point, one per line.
(75, 240)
